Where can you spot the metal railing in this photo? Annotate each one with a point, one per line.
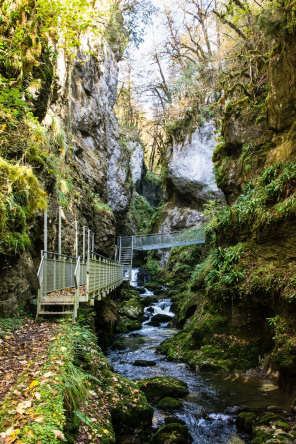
(56, 272)
(59, 272)
(162, 240)
(103, 276)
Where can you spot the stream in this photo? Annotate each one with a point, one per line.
(213, 402)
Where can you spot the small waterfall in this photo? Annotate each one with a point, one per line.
(134, 279)
(134, 282)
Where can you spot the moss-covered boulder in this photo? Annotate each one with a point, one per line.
(148, 300)
(172, 434)
(130, 410)
(125, 325)
(246, 420)
(265, 427)
(131, 308)
(161, 387)
(169, 403)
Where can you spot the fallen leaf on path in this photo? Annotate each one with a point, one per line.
(59, 434)
(23, 406)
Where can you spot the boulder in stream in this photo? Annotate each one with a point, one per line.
(125, 325)
(144, 363)
(174, 419)
(160, 387)
(160, 317)
(169, 403)
(153, 324)
(174, 433)
(132, 308)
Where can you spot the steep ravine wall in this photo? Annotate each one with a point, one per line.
(238, 308)
(189, 182)
(76, 107)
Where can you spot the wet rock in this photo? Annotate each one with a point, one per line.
(150, 310)
(159, 317)
(131, 308)
(206, 366)
(246, 420)
(174, 419)
(153, 324)
(129, 416)
(125, 325)
(174, 433)
(169, 403)
(161, 387)
(148, 300)
(144, 363)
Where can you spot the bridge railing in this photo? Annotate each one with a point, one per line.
(103, 276)
(160, 239)
(56, 272)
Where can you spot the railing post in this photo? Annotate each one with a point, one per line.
(45, 233)
(93, 244)
(87, 278)
(77, 287)
(60, 231)
(88, 240)
(83, 243)
(54, 272)
(76, 237)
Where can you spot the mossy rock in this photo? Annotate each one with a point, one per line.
(261, 435)
(172, 434)
(129, 414)
(161, 387)
(246, 420)
(169, 403)
(132, 308)
(153, 286)
(269, 418)
(214, 367)
(148, 300)
(170, 284)
(125, 325)
(282, 425)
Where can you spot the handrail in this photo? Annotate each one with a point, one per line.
(59, 254)
(76, 273)
(166, 234)
(39, 272)
(103, 257)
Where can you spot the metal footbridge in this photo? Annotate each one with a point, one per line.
(128, 244)
(66, 281)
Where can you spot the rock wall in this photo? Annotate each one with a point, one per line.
(190, 180)
(77, 109)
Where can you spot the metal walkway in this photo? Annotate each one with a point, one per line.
(128, 244)
(65, 281)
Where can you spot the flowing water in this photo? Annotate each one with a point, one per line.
(211, 407)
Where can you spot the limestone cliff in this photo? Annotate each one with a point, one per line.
(86, 169)
(189, 182)
(238, 310)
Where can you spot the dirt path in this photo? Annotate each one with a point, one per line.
(25, 349)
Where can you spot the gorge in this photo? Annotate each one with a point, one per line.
(214, 151)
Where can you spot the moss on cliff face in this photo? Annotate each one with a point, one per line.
(240, 301)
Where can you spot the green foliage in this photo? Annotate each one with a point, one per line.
(221, 272)
(267, 201)
(100, 206)
(20, 196)
(153, 178)
(153, 266)
(141, 215)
